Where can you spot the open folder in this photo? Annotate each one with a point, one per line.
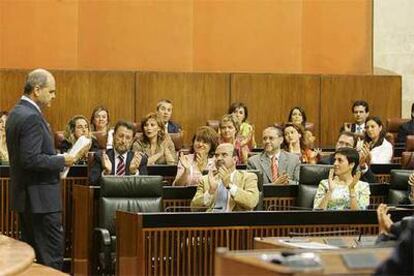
(76, 149)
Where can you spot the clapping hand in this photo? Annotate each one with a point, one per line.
(185, 162)
(282, 179)
(135, 162)
(213, 181)
(106, 164)
(355, 180)
(224, 175)
(384, 219)
(331, 180)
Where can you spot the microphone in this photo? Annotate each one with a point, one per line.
(173, 209)
(277, 207)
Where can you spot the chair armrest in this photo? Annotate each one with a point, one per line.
(104, 235)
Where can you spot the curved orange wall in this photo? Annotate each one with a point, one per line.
(286, 36)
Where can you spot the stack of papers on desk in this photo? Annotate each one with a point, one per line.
(306, 245)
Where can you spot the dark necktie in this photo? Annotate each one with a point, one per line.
(120, 169)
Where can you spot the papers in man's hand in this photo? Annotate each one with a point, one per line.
(307, 245)
(77, 149)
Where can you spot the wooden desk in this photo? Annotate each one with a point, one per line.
(15, 256)
(277, 242)
(251, 262)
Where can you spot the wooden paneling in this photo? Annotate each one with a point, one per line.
(197, 97)
(252, 36)
(269, 97)
(383, 93)
(337, 36)
(289, 36)
(39, 34)
(149, 35)
(78, 92)
(11, 87)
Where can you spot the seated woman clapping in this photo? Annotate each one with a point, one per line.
(191, 166)
(343, 190)
(100, 122)
(295, 143)
(77, 126)
(381, 150)
(155, 142)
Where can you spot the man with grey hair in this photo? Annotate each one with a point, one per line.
(35, 191)
(278, 166)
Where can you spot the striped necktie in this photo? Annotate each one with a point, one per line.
(120, 169)
(274, 168)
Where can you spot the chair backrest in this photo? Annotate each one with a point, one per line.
(407, 160)
(178, 140)
(409, 143)
(59, 139)
(259, 206)
(213, 124)
(309, 177)
(101, 137)
(128, 193)
(393, 125)
(397, 192)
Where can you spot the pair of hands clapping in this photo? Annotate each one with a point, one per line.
(133, 167)
(214, 178)
(351, 186)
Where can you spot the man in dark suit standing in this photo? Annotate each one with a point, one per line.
(35, 190)
(360, 111)
(120, 160)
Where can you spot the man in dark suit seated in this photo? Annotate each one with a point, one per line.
(360, 110)
(120, 160)
(406, 128)
(401, 262)
(348, 140)
(164, 110)
(276, 165)
(35, 190)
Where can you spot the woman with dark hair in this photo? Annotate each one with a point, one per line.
(100, 121)
(381, 150)
(343, 190)
(297, 116)
(155, 142)
(246, 129)
(191, 166)
(229, 128)
(4, 154)
(295, 143)
(77, 126)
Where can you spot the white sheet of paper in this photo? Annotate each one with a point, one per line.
(309, 245)
(80, 144)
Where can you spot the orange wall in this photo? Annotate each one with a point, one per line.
(284, 36)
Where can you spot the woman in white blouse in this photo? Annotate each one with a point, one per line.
(380, 149)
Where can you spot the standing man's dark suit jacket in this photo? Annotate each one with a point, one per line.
(368, 176)
(34, 165)
(96, 170)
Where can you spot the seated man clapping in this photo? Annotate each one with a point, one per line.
(120, 160)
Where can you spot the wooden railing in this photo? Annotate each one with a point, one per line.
(187, 246)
